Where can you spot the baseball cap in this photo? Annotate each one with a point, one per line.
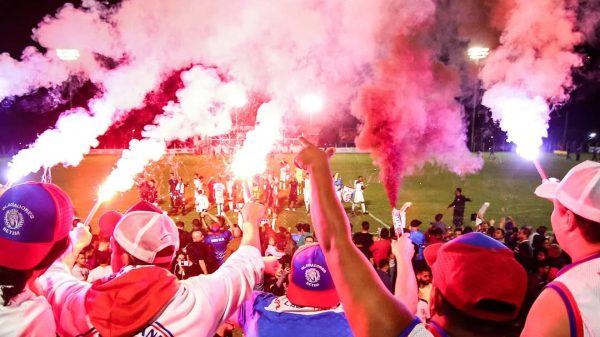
(479, 276)
(108, 221)
(311, 284)
(34, 217)
(144, 230)
(579, 191)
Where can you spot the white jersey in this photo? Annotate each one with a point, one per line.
(219, 193)
(198, 186)
(579, 287)
(202, 204)
(358, 192)
(283, 173)
(306, 191)
(200, 304)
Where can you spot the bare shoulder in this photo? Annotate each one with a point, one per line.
(548, 316)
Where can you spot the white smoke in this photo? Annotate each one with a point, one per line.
(531, 67)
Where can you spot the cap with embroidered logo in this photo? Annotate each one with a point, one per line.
(311, 284)
(34, 216)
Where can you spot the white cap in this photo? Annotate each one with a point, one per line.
(579, 191)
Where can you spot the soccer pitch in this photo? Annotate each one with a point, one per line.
(507, 182)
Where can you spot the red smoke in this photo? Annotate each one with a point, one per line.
(410, 116)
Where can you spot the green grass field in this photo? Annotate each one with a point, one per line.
(507, 183)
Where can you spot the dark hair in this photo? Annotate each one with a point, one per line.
(167, 251)
(383, 263)
(365, 225)
(458, 189)
(527, 230)
(439, 216)
(589, 229)
(474, 324)
(180, 224)
(467, 229)
(103, 257)
(306, 227)
(385, 233)
(13, 282)
(541, 230)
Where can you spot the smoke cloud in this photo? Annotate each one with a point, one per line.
(408, 110)
(531, 67)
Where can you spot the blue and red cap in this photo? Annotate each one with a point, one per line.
(311, 284)
(33, 217)
(478, 276)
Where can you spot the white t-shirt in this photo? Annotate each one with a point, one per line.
(198, 185)
(99, 272)
(27, 315)
(202, 203)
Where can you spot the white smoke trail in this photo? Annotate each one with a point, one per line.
(204, 108)
(280, 49)
(531, 67)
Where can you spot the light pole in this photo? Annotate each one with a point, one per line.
(68, 55)
(476, 54)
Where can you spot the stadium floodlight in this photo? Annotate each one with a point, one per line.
(67, 54)
(478, 53)
(593, 135)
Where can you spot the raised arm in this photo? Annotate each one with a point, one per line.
(406, 289)
(371, 309)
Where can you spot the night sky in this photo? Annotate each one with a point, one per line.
(24, 118)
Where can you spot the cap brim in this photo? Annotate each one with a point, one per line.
(547, 189)
(23, 256)
(323, 299)
(430, 253)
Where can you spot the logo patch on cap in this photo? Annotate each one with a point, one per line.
(312, 274)
(14, 219)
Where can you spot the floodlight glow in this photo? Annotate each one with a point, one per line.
(68, 54)
(593, 135)
(478, 53)
(312, 103)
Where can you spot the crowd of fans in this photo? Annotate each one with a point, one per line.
(143, 274)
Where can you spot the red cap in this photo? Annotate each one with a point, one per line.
(34, 216)
(479, 276)
(107, 223)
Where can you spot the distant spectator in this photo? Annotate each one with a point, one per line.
(382, 248)
(523, 251)
(185, 237)
(439, 223)
(276, 246)
(364, 240)
(219, 236)
(80, 270)
(434, 235)
(104, 269)
(234, 244)
(459, 207)
(198, 255)
(303, 231)
(309, 239)
(383, 271)
(418, 238)
(499, 234)
(424, 284)
(277, 284)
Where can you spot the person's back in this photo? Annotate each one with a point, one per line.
(570, 304)
(144, 298)
(363, 240)
(310, 308)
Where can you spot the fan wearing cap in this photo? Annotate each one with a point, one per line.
(310, 308)
(478, 287)
(570, 305)
(143, 298)
(36, 219)
(370, 308)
